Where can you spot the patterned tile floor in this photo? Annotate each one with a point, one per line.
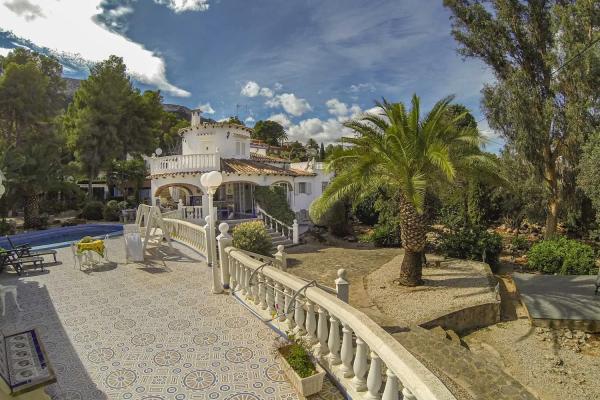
(152, 331)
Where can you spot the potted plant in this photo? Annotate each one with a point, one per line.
(305, 375)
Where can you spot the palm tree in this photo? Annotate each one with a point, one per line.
(403, 152)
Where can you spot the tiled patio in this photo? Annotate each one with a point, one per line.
(152, 331)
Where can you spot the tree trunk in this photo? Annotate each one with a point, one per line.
(32, 211)
(412, 232)
(551, 177)
(552, 217)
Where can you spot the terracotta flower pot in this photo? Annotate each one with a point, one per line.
(304, 386)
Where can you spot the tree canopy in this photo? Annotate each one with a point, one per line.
(270, 132)
(545, 100)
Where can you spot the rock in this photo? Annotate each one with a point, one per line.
(569, 335)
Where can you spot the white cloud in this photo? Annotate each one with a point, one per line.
(327, 131)
(180, 6)
(362, 87)
(4, 52)
(290, 103)
(25, 9)
(278, 86)
(253, 89)
(69, 29)
(336, 107)
(282, 119)
(250, 89)
(249, 119)
(206, 108)
(266, 92)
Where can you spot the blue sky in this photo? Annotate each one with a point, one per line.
(309, 64)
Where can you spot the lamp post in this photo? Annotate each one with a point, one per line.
(211, 181)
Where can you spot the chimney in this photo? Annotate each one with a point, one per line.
(196, 117)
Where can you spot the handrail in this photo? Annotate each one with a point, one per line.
(276, 287)
(279, 226)
(188, 233)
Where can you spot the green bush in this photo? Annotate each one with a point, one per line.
(7, 227)
(562, 256)
(473, 243)
(111, 211)
(272, 199)
(365, 211)
(93, 210)
(386, 235)
(336, 219)
(252, 236)
(299, 360)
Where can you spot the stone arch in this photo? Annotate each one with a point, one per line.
(188, 188)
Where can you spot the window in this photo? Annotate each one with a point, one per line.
(237, 148)
(243, 148)
(303, 187)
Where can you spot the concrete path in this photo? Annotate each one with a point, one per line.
(146, 331)
(552, 297)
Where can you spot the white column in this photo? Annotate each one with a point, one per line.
(333, 341)
(347, 351)
(374, 377)
(224, 241)
(311, 322)
(360, 366)
(322, 332)
(295, 235)
(391, 386)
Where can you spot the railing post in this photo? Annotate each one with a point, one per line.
(347, 351)
(374, 377)
(224, 240)
(322, 333)
(299, 316)
(391, 386)
(342, 285)
(333, 341)
(407, 394)
(360, 366)
(180, 208)
(281, 257)
(311, 323)
(295, 236)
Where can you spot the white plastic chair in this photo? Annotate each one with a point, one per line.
(77, 257)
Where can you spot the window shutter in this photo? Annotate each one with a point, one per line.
(308, 189)
(237, 148)
(297, 187)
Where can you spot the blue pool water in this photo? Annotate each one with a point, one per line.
(59, 237)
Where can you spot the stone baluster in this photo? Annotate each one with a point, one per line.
(279, 302)
(347, 352)
(224, 240)
(243, 282)
(255, 289)
(408, 395)
(322, 332)
(262, 292)
(249, 293)
(374, 377)
(311, 322)
(299, 316)
(232, 272)
(333, 341)
(270, 296)
(289, 308)
(391, 386)
(360, 366)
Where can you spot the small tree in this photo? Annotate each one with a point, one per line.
(270, 132)
(252, 236)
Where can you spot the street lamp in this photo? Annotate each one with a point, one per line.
(211, 181)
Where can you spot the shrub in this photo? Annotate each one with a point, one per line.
(519, 243)
(7, 227)
(93, 210)
(336, 219)
(111, 211)
(474, 243)
(272, 199)
(386, 235)
(562, 256)
(299, 360)
(252, 236)
(364, 210)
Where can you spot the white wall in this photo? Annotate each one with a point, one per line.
(206, 139)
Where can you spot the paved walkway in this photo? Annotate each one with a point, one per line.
(150, 332)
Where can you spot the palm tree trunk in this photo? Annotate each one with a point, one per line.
(31, 211)
(412, 226)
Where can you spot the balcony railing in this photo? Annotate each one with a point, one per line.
(184, 163)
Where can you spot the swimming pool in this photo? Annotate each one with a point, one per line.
(62, 236)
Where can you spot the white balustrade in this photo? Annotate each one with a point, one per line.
(289, 231)
(188, 233)
(184, 163)
(192, 214)
(316, 316)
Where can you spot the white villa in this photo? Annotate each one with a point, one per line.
(227, 148)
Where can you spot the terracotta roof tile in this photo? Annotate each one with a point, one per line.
(251, 167)
(267, 158)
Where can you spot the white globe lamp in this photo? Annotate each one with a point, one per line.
(158, 151)
(211, 180)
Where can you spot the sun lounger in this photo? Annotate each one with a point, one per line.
(11, 258)
(24, 250)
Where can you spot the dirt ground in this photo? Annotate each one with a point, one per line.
(554, 364)
(321, 262)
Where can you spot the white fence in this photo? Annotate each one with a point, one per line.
(354, 349)
(288, 231)
(188, 233)
(184, 163)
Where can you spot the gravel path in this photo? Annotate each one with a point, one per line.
(455, 285)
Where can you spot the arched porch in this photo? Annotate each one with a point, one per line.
(235, 200)
(169, 195)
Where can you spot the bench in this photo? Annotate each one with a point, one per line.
(24, 367)
(11, 258)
